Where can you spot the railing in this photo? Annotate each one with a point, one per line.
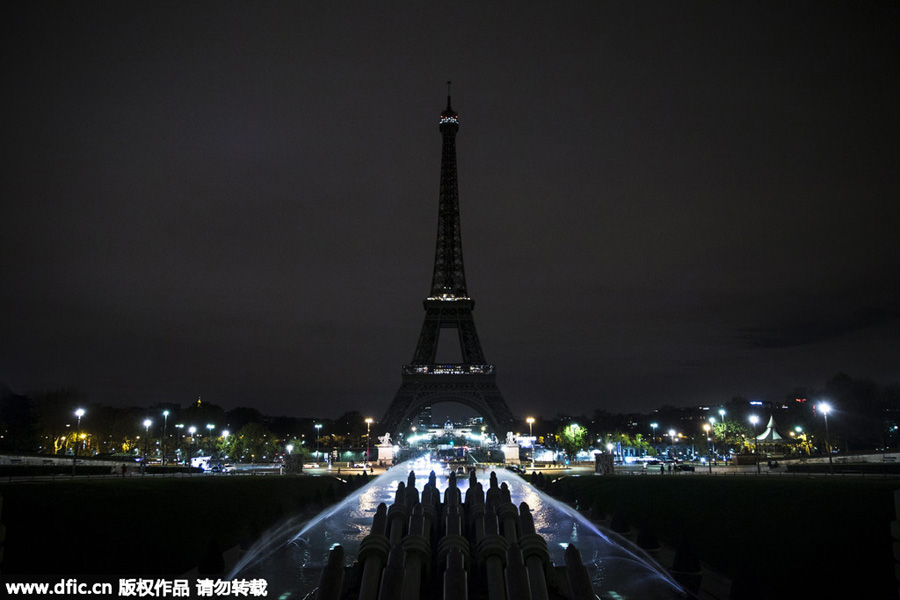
(451, 369)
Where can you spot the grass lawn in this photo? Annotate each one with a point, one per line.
(776, 537)
(138, 526)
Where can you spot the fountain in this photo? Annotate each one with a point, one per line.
(525, 546)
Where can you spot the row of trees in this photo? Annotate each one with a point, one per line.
(46, 423)
(865, 417)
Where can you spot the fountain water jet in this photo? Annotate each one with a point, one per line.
(615, 567)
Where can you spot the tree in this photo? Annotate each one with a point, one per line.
(729, 431)
(55, 414)
(572, 438)
(253, 443)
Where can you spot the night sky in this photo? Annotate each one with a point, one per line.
(661, 203)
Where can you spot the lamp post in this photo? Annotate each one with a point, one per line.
(192, 431)
(674, 441)
(225, 434)
(754, 420)
(165, 440)
(826, 408)
(147, 423)
(801, 439)
(318, 426)
(179, 441)
(653, 426)
(724, 429)
(369, 422)
(530, 421)
(712, 429)
(78, 414)
(707, 428)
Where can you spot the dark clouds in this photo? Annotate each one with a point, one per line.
(660, 203)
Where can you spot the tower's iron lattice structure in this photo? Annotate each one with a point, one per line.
(449, 307)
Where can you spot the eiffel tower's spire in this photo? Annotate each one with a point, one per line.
(449, 280)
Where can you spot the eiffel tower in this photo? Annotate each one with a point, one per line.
(472, 381)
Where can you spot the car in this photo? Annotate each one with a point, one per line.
(311, 466)
(362, 466)
(515, 469)
(684, 467)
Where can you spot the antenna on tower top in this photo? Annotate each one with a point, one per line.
(448, 95)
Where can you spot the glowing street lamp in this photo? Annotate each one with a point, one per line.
(369, 422)
(147, 424)
(164, 444)
(318, 426)
(225, 434)
(530, 421)
(825, 408)
(289, 448)
(754, 420)
(674, 441)
(192, 431)
(78, 414)
(707, 428)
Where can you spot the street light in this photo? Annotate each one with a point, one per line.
(318, 426)
(192, 431)
(147, 424)
(724, 430)
(530, 421)
(707, 428)
(164, 444)
(78, 413)
(179, 437)
(369, 422)
(754, 420)
(826, 408)
(674, 449)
